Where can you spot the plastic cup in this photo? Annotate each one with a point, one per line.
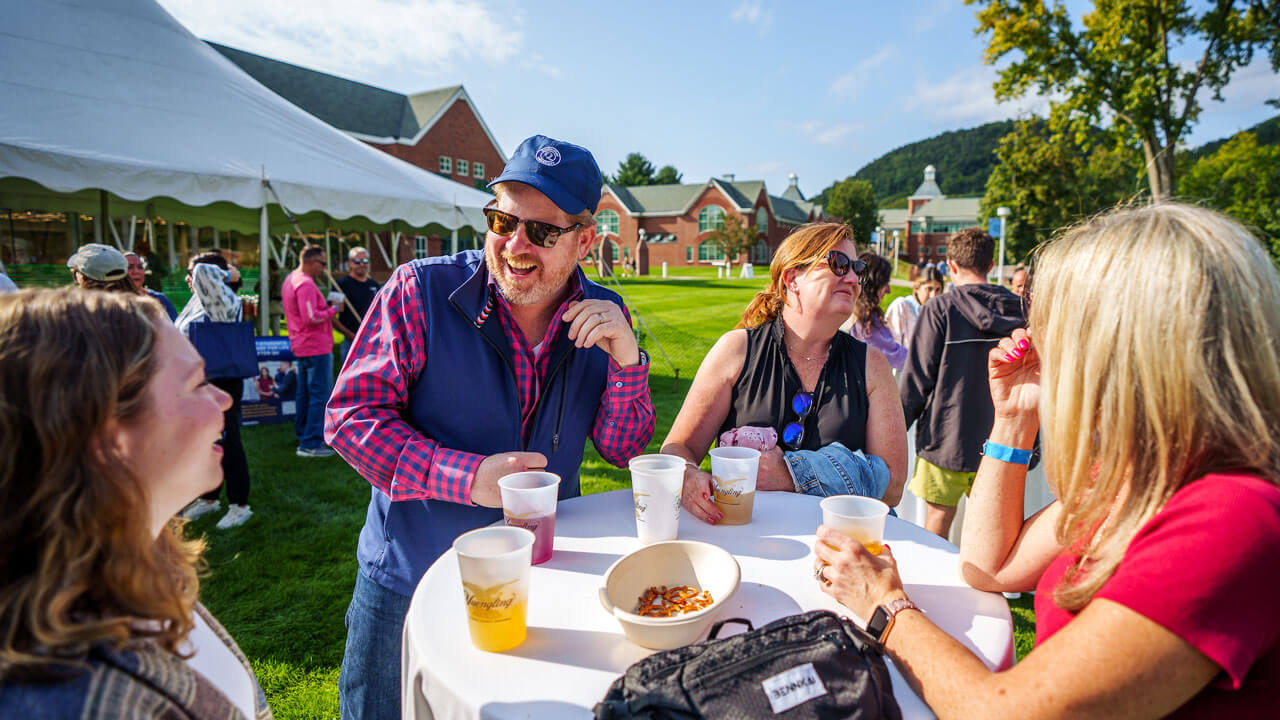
(529, 501)
(857, 517)
(733, 478)
(656, 483)
(494, 563)
(336, 297)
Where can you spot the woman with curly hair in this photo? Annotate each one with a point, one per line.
(867, 321)
(107, 429)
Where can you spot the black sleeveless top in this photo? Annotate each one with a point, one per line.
(762, 393)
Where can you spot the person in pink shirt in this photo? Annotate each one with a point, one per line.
(310, 320)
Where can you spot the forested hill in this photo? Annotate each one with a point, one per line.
(963, 159)
(1268, 132)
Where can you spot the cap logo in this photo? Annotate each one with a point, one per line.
(548, 156)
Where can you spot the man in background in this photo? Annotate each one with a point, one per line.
(359, 289)
(944, 383)
(100, 267)
(310, 321)
(138, 275)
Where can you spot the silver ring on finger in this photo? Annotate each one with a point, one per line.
(817, 575)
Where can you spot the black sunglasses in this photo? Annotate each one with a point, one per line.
(544, 235)
(801, 404)
(841, 264)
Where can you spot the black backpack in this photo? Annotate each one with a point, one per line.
(815, 665)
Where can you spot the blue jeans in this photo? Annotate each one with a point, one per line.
(369, 684)
(315, 382)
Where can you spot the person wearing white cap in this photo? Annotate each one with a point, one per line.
(100, 267)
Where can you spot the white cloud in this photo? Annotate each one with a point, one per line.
(354, 39)
(753, 12)
(833, 135)
(823, 134)
(1250, 86)
(967, 96)
(851, 83)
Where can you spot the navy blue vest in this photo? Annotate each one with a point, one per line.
(466, 399)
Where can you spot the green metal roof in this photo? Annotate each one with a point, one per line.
(950, 208)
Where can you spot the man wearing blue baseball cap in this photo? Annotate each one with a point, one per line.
(471, 367)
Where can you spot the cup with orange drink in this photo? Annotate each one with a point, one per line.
(494, 563)
(857, 517)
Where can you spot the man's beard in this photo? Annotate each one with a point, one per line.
(550, 283)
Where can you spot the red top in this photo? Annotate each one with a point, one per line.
(308, 315)
(1207, 568)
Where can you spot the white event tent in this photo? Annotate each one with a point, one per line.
(115, 101)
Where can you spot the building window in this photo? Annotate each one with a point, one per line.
(464, 167)
(615, 250)
(688, 254)
(760, 253)
(924, 249)
(762, 220)
(446, 164)
(710, 217)
(708, 251)
(942, 250)
(420, 246)
(477, 170)
(607, 222)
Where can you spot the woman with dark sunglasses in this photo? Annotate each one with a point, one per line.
(788, 367)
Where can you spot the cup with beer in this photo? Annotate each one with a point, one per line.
(494, 564)
(857, 517)
(529, 501)
(733, 480)
(656, 482)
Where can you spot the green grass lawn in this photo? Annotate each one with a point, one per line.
(281, 582)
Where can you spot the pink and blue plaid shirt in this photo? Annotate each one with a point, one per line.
(364, 420)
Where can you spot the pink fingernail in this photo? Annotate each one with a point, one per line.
(1023, 344)
(1009, 357)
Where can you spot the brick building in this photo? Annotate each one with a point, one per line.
(929, 220)
(674, 221)
(440, 131)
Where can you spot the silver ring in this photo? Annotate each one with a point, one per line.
(817, 574)
(601, 316)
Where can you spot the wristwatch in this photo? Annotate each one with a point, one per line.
(882, 619)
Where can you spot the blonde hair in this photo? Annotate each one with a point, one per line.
(82, 565)
(805, 246)
(1152, 380)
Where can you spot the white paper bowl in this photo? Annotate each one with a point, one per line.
(675, 562)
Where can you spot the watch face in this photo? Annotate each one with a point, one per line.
(879, 621)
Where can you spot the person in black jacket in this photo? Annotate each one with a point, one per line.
(944, 383)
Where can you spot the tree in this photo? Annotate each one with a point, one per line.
(634, 170)
(667, 175)
(734, 238)
(1049, 182)
(1120, 63)
(637, 170)
(854, 202)
(1242, 180)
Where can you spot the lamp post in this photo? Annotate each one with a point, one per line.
(1003, 213)
(895, 252)
(879, 240)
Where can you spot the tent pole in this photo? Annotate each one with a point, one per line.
(173, 255)
(133, 230)
(328, 256)
(103, 217)
(264, 277)
(453, 241)
(216, 244)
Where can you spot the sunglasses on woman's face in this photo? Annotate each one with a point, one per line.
(841, 264)
(544, 235)
(793, 433)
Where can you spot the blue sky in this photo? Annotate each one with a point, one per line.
(756, 88)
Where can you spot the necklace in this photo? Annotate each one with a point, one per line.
(806, 357)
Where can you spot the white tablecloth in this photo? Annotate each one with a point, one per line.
(575, 650)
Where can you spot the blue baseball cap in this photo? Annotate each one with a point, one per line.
(562, 171)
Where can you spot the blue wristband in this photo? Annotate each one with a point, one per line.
(1006, 453)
